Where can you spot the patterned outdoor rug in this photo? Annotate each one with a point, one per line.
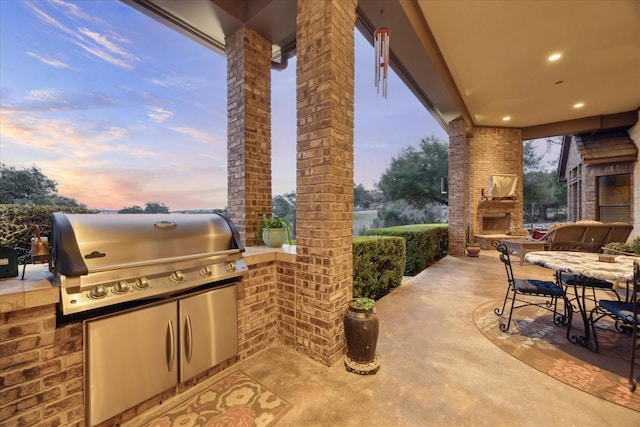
(536, 341)
(236, 400)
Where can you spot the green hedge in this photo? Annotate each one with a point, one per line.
(17, 221)
(632, 247)
(426, 243)
(378, 265)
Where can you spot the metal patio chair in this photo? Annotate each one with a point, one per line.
(572, 282)
(626, 317)
(528, 292)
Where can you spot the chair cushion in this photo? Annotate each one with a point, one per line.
(542, 287)
(537, 235)
(571, 279)
(622, 310)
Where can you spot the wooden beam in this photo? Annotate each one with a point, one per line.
(582, 125)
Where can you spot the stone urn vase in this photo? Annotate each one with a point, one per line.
(473, 250)
(361, 327)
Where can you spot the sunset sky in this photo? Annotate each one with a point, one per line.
(120, 110)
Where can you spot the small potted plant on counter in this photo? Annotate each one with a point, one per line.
(275, 231)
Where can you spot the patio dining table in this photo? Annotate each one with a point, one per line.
(585, 266)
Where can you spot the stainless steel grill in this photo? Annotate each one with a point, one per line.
(103, 260)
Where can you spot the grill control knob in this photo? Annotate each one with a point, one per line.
(122, 287)
(141, 283)
(205, 271)
(176, 277)
(98, 292)
(230, 266)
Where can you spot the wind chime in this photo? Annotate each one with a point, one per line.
(381, 46)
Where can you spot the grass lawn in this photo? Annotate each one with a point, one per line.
(363, 218)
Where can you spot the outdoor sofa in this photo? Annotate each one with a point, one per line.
(596, 234)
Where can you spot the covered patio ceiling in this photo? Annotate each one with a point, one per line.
(481, 60)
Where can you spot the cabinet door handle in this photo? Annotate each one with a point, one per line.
(188, 338)
(171, 349)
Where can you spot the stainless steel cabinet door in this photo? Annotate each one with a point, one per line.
(209, 330)
(130, 357)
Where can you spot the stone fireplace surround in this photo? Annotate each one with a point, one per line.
(496, 216)
(496, 223)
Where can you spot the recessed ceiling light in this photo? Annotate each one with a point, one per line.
(554, 57)
(578, 105)
(506, 118)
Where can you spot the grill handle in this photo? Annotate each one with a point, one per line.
(171, 353)
(165, 225)
(188, 338)
(215, 257)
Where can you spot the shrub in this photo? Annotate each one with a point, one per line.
(17, 221)
(399, 212)
(425, 243)
(632, 247)
(378, 265)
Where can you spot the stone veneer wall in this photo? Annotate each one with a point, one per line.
(248, 131)
(257, 315)
(41, 369)
(491, 151)
(286, 300)
(325, 99)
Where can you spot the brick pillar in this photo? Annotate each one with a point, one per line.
(324, 234)
(458, 186)
(248, 131)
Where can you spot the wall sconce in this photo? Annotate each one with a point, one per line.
(444, 185)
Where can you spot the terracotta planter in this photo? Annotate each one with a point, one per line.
(361, 332)
(473, 251)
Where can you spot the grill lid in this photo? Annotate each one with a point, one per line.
(87, 243)
(114, 261)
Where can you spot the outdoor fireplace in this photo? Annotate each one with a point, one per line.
(496, 223)
(498, 208)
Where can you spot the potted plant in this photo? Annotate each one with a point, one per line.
(275, 231)
(473, 249)
(361, 327)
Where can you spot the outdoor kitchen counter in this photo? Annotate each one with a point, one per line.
(257, 254)
(35, 290)
(38, 288)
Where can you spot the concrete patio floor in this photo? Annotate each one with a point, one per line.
(437, 368)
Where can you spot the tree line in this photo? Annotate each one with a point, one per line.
(409, 190)
(29, 186)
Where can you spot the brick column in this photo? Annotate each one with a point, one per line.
(325, 98)
(248, 131)
(458, 186)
